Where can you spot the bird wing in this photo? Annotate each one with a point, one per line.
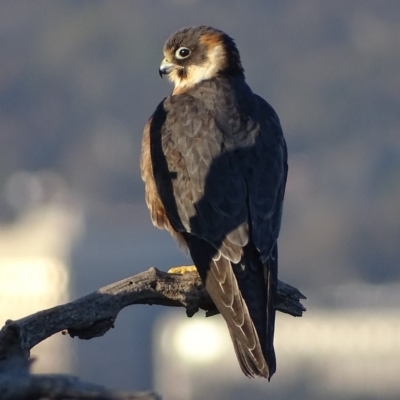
(220, 189)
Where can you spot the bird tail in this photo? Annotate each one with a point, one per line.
(271, 281)
(244, 295)
(258, 292)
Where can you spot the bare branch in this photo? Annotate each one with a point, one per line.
(94, 314)
(15, 385)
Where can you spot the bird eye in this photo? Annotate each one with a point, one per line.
(182, 53)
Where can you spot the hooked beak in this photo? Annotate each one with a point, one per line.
(165, 68)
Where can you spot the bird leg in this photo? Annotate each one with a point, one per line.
(183, 269)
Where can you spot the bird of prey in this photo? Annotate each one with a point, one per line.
(214, 163)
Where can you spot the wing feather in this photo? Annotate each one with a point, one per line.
(221, 181)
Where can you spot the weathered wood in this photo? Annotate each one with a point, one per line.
(92, 316)
(23, 386)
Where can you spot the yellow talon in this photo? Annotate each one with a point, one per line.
(183, 269)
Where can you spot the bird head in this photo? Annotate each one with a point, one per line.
(195, 54)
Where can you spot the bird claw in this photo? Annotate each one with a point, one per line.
(183, 269)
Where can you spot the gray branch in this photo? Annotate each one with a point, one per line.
(93, 315)
(22, 386)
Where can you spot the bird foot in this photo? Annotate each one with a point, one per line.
(183, 269)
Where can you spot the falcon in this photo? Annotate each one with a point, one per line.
(214, 163)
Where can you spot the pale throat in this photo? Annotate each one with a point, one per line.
(196, 73)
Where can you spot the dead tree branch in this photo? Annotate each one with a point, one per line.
(22, 386)
(93, 315)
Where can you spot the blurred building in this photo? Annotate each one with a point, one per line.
(35, 258)
(331, 354)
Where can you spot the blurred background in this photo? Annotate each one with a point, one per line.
(78, 80)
